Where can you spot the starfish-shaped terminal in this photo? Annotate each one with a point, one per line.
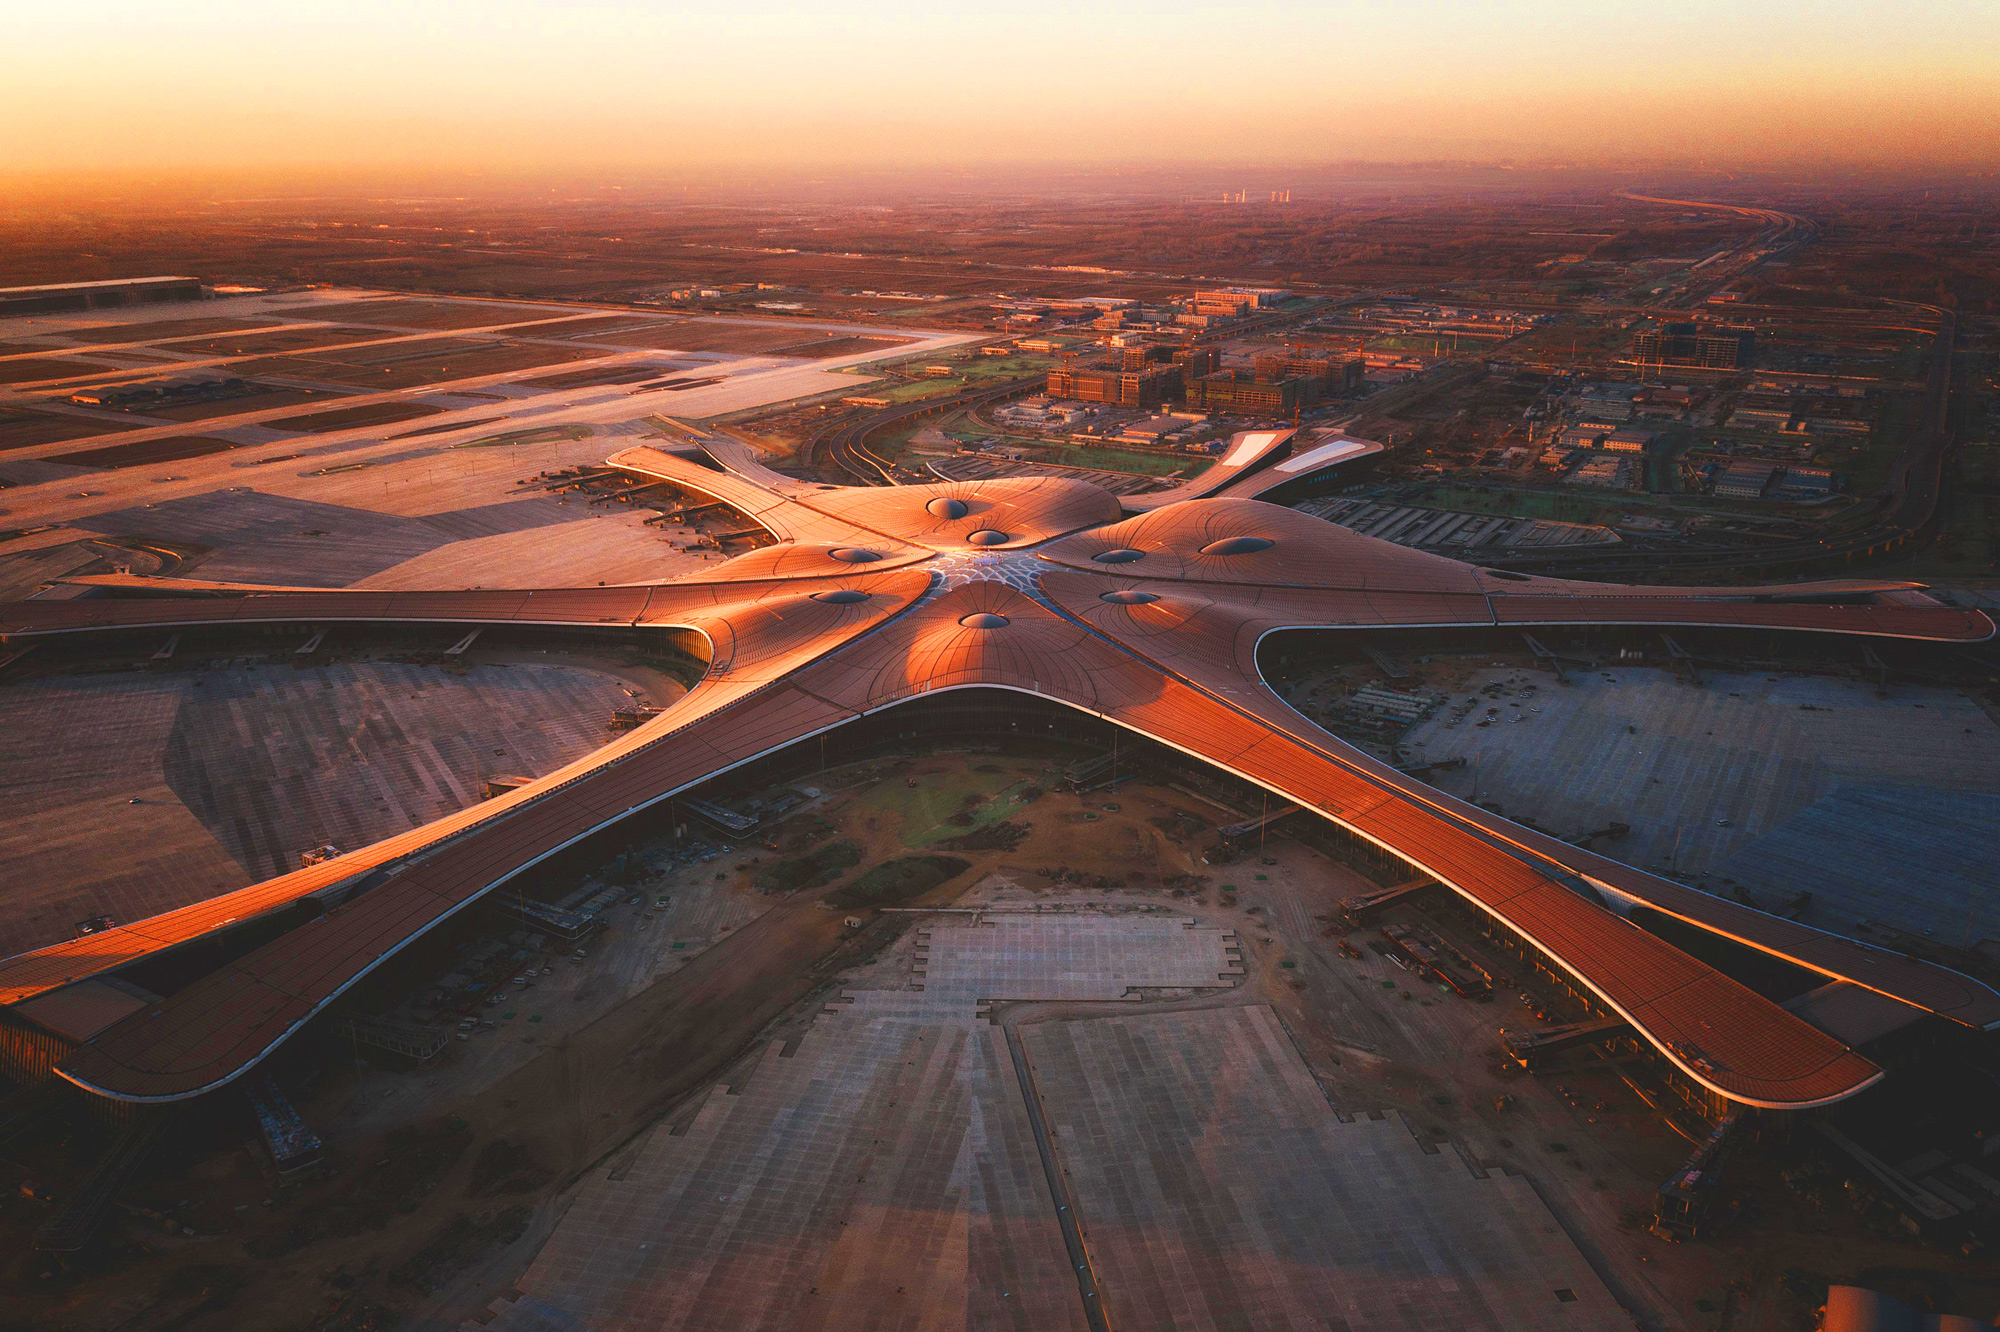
(1144, 611)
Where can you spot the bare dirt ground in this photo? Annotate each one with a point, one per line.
(442, 1186)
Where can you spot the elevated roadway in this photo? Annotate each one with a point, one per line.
(844, 444)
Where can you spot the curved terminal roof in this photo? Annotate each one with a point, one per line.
(756, 634)
(1304, 552)
(1019, 511)
(1164, 644)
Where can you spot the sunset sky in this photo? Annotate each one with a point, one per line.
(512, 86)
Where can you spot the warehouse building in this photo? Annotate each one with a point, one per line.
(1745, 480)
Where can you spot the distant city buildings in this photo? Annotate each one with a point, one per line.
(1146, 375)
(1203, 312)
(1232, 302)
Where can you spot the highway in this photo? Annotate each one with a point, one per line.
(1782, 233)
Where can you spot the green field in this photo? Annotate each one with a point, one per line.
(981, 369)
(914, 391)
(1966, 552)
(966, 374)
(1910, 358)
(1557, 339)
(1603, 508)
(1427, 343)
(925, 809)
(889, 444)
(1122, 460)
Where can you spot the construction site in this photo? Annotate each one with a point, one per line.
(1443, 1083)
(1057, 940)
(1455, 1097)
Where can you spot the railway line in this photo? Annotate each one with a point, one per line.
(1781, 234)
(843, 445)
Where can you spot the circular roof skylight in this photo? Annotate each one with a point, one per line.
(1237, 545)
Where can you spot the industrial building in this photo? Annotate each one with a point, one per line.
(1745, 480)
(1695, 345)
(1761, 411)
(1144, 388)
(1242, 393)
(1609, 403)
(1807, 482)
(1039, 413)
(68, 297)
(1332, 375)
(1280, 384)
(1605, 473)
(1232, 302)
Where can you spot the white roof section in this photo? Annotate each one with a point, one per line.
(1327, 454)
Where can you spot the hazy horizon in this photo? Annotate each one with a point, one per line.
(517, 91)
(1313, 187)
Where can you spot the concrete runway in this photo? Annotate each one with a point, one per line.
(424, 476)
